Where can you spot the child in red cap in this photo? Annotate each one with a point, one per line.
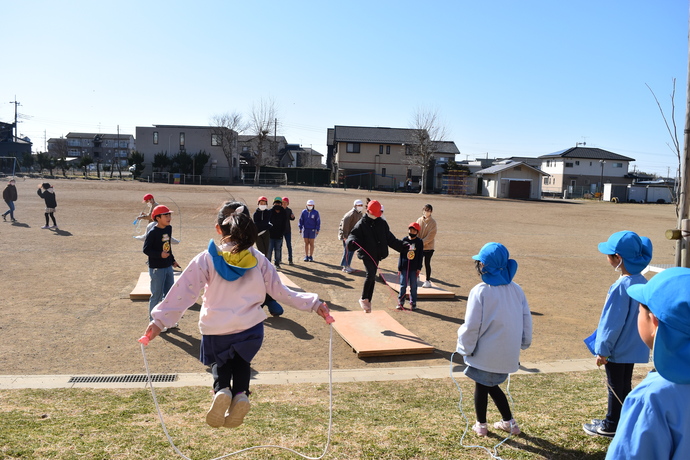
(409, 266)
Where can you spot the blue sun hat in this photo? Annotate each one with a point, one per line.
(498, 268)
(635, 250)
(667, 295)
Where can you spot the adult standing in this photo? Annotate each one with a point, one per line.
(347, 223)
(309, 226)
(46, 191)
(276, 231)
(262, 220)
(371, 238)
(10, 196)
(288, 229)
(427, 234)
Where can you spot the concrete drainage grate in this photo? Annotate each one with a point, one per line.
(134, 378)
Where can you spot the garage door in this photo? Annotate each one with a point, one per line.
(519, 189)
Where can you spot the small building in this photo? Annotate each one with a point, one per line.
(516, 180)
(101, 147)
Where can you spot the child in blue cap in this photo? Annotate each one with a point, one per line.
(655, 421)
(498, 324)
(617, 344)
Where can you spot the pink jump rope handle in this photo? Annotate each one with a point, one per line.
(144, 339)
(329, 319)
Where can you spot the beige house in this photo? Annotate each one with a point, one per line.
(516, 180)
(579, 170)
(380, 158)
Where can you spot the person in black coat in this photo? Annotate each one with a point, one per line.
(10, 196)
(262, 219)
(371, 237)
(276, 231)
(45, 191)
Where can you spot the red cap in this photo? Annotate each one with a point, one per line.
(286, 200)
(374, 208)
(148, 197)
(416, 226)
(262, 198)
(160, 209)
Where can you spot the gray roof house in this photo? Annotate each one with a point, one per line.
(511, 180)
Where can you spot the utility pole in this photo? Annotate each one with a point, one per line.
(15, 116)
(682, 259)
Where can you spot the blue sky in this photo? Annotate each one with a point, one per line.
(508, 78)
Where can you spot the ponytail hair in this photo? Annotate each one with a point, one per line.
(236, 225)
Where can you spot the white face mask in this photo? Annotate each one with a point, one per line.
(310, 207)
(426, 213)
(359, 208)
(263, 207)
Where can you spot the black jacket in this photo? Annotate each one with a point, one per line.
(10, 193)
(411, 255)
(157, 241)
(374, 237)
(49, 197)
(277, 219)
(262, 219)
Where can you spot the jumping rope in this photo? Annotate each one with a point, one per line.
(494, 450)
(145, 340)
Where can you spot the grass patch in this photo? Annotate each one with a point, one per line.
(414, 419)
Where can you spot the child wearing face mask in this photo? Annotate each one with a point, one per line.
(309, 225)
(371, 237)
(617, 344)
(409, 266)
(262, 220)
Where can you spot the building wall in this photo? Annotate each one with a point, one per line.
(196, 139)
(391, 162)
(584, 172)
(497, 185)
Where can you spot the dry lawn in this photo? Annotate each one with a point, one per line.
(65, 294)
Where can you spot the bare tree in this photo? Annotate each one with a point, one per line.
(262, 119)
(673, 133)
(224, 129)
(427, 133)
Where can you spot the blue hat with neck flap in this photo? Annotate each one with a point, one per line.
(498, 268)
(636, 251)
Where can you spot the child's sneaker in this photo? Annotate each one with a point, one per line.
(399, 307)
(45, 226)
(215, 416)
(481, 429)
(509, 426)
(366, 305)
(238, 409)
(413, 306)
(426, 284)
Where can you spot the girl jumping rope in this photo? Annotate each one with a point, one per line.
(236, 278)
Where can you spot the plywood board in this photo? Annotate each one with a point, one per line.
(434, 292)
(377, 334)
(142, 290)
(287, 282)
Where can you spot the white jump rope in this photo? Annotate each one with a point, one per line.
(493, 452)
(330, 410)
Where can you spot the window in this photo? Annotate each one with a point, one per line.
(577, 163)
(569, 165)
(546, 181)
(245, 149)
(181, 139)
(353, 147)
(590, 163)
(380, 149)
(155, 137)
(548, 163)
(215, 139)
(617, 165)
(383, 172)
(388, 150)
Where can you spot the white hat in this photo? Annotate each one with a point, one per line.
(358, 203)
(310, 202)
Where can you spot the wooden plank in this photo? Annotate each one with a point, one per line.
(434, 292)
(142, 290)
(377, 334)
(287, 282)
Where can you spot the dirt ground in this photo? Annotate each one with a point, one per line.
(65, 294)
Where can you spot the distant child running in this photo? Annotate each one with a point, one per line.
(371, 237)
(309, 226)
(409, 266)
(498, 324)
(427, 233)
(618, 345)
(161, 259)
(47, 192)
(235, 278)
(10, 196)
(655, 421)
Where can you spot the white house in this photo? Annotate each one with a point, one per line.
(511, 180)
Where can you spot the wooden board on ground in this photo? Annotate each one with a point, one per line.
(287, 282)
(142, 291)
(377, 334)
(434, 292)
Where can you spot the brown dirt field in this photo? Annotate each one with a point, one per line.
(65, 294)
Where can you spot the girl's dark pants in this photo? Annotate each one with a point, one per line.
(237, 371)
(481, 400)
(368, 289)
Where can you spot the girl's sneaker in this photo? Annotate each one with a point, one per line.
(215, 416)
(238, 409)
(481, 429)
(509, 426)
(366, 305)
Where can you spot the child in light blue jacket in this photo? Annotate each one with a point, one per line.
(618, 345)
